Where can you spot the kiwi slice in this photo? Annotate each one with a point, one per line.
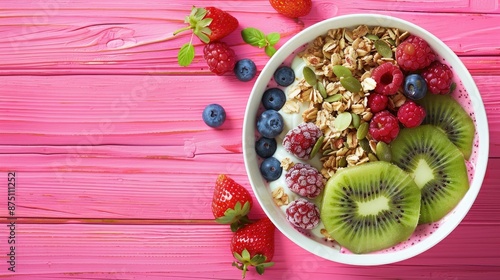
(436, 165)
(370, 207)
(446, 113)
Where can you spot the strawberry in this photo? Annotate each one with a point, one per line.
(253, 245)
(231, 202)
(292, 8)
(208, 24)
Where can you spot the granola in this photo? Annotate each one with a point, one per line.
(354, 49)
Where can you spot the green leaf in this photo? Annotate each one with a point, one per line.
(253, 36)
(273, 38)
(270, 51)
(245, 254)
(185, 55)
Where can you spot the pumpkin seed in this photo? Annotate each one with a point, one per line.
(342, 121)
(355, 120)
(351, 84)
(309, 76)
(372, 37)
(333, 98)
(365, 144)
(342, 162)
(383, 151)
(372, 157)
(362, 131)
(317, 146)
(322, 90)
(341, 71)
(383, 49)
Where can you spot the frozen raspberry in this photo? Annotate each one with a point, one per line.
(304, 180)
(303, 214)
(388, 77)
(377, 102)
(300, 140)
(438, 77)
(410, 114)
(220, 57)
(414, 53)
(384, 126)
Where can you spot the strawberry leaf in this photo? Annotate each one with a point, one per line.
(253, 37)
(273, 38)
(185, 55)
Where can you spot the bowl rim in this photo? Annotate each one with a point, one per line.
(250, 158)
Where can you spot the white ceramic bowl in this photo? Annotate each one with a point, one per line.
(261, 188)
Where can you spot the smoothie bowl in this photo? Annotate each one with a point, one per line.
(365, 139)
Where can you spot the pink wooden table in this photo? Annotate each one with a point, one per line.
(115, 168)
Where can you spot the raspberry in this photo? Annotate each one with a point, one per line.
(303, 214)
(384, 126)
(438, 77)
(304, 180)
(410, 114)
(300, 140)
(414, 53)
(388, 77)
(220, 57)
(377, 102)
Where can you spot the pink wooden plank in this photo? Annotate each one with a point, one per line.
(66, 37)
(150, 183)
(172, 251)
(137, 110)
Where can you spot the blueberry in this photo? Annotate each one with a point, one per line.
(270, 123)
(214, 115)
(415, 86)
(245, 70)
(271, 169)
(273, 98)
(284, 76)
(265, 147)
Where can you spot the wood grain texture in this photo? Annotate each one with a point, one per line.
(172, 251)
(115, 168)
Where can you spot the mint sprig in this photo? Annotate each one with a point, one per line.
(257, 38)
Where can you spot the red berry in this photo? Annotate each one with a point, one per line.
(300, 140)
(220, 57)
(414, 53)
(231, 202)
(303, 214)
(410, 114)
(304, 180)
(438, 77)
(292, 8)
(377, 102)
(257, 240)
(388, 77)
(384, 126)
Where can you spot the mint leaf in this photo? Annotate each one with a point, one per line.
(273, 38)
(270, 51)
(257, 38)
(253, 37)
(185, 55)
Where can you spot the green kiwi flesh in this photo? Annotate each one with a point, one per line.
(436, 165)
(446, 113)
(370, 207)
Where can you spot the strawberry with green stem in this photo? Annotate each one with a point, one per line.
(231, 202)
(208, 24)
(253, 245)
